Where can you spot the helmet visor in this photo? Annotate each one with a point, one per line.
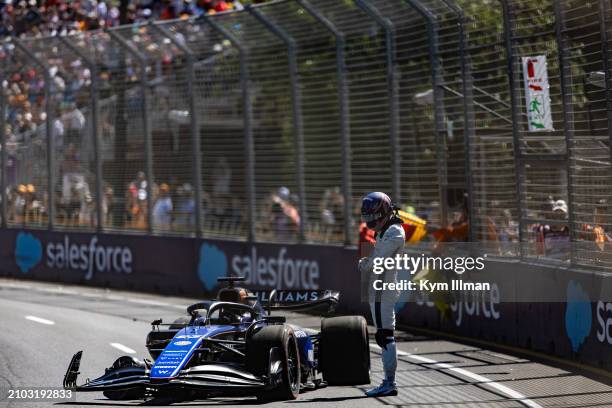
(371, 217)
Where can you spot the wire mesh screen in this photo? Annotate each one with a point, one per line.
(219, 108)
(544, 180)
(271, 122)
(276, 192)
(420, 178)
(449, 54)
(122, 128)
(74, 175)
(368, 99)
(169, 119)
(316, 54)
(590, 154)
(27, 99)
(492, 157)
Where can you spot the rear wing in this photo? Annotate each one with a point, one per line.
(297, 299)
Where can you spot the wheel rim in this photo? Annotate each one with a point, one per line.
(292, 365)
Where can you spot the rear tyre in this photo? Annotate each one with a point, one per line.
(258, 358)
(344, 351)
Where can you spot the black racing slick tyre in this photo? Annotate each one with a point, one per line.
(344, 351)
(258, 348)
(129, 394)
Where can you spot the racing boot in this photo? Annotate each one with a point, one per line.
(386, 389)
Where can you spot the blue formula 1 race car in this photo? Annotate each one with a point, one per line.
(233, 346)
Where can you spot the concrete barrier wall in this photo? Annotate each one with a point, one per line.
(578, 327)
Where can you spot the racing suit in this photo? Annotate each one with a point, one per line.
(389, 242)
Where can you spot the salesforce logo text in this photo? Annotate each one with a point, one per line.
(604, 319)
(88, 257)
(278, 271)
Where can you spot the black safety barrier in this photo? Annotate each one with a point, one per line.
(578, 327)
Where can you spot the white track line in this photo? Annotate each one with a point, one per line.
(123, 348)
(40, 320)
(465, 373)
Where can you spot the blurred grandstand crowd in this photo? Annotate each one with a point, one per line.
(47, 17)
(173, 202)
(26, 115)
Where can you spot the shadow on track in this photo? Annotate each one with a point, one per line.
(163, 402)
(175, 403)
(324, 399)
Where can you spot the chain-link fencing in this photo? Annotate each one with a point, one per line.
(489, 119)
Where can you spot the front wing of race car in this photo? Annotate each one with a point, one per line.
(208, 377)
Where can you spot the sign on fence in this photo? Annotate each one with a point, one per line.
(537, 96)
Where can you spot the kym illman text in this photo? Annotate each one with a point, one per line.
(428, 286)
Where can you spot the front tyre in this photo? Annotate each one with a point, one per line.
(258, 360)
(128, 394)
(344, 351)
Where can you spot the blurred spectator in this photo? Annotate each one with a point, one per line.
(162, 209)
(18, 199)
(509, 228)
(502, 230)
(457, 230)
(88, 210)
(596, 231)
(39, 18)
(72, 174)
(332, 214)
(57, 132)
(553, 240)
(107, 205)
(283, 216)
(74, 123)
(185, 208)
(136, 202)
(221, 177)
(32, 205)
(73, 206)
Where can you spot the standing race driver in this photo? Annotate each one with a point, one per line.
(378, 213)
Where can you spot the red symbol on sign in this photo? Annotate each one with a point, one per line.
(531, 74)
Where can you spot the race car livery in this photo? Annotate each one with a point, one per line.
(234, 346)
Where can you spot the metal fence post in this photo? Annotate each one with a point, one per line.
(565, 77)
(144, 83)
(392, 93)
(3, 156)
(344, 113)
(438, 101)
(604, 10)
(50, 145)
(245, 84)
(296, 99)
(93, 90)
(193, 122)
(468, 115)
(515, 97)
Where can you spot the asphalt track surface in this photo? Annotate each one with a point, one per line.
(42, 325)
